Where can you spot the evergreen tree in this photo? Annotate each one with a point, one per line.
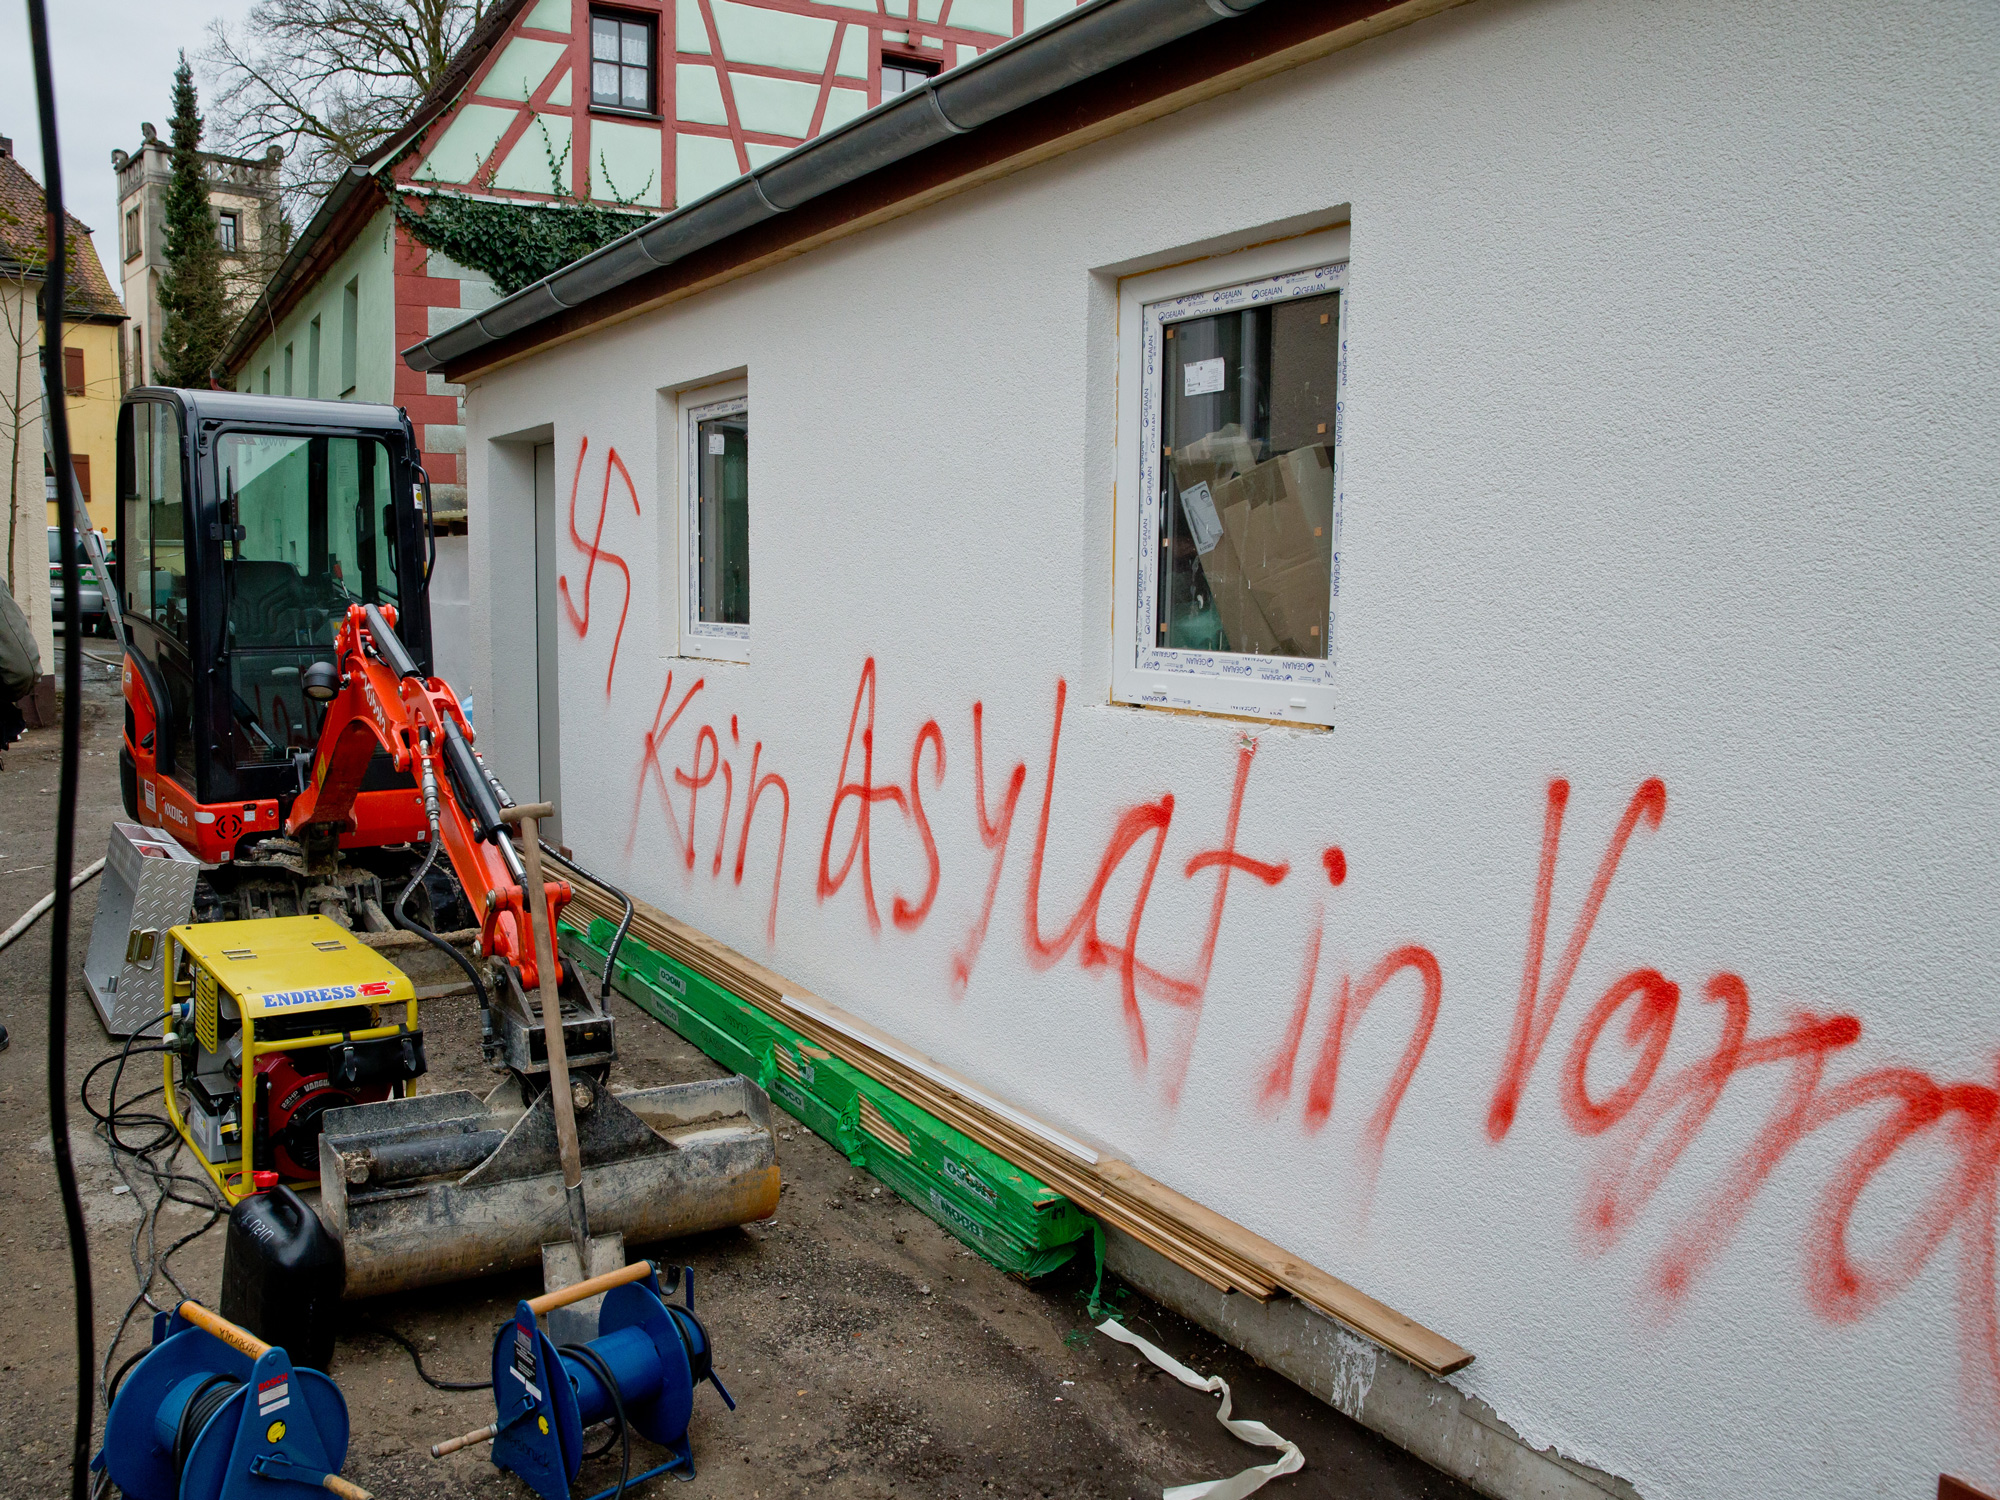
(192, 294)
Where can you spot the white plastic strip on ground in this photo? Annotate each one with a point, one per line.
(33, 914)
(1250, 1480)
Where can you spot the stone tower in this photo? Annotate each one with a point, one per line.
(243, 193)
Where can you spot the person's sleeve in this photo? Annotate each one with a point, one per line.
(20, 660)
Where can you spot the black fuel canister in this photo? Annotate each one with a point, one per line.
(282, 1274)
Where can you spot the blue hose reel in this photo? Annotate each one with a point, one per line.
(639, 1372)
(213, 1413)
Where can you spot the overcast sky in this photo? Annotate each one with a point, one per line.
(114, 65)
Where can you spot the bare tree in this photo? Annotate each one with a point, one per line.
(21, 386)
(327, 80)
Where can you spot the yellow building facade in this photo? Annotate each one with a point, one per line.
(91, 390)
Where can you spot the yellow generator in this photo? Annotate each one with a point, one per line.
(270, 1024)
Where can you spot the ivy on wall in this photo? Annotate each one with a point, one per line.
(516, 242)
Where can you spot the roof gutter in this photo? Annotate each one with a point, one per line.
(1093, 38)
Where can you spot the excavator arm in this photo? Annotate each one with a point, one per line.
(375, 698)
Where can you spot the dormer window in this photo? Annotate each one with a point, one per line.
(621, 62)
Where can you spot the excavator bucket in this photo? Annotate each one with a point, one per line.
(443, 1186)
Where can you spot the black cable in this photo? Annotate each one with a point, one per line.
(589, 1356)
(54, 291)
(409, 924)
(624, 922)
(208, 1399)
(418, 1360)
(142, 1154)
(118, 1378)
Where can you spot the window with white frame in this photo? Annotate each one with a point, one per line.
(715, 523)
(1229, 496)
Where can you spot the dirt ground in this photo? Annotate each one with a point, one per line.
(869, 1353)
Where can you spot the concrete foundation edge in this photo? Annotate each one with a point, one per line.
(1420, 1413)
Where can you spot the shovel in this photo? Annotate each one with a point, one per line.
(583, 1256)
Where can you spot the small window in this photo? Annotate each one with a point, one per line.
(350, 333)
(288, 369)
(225, 233)
(716, 619)
(900, 74)
(312, 358)
(79, 464)
(1232, 495)
(73, 382)
(134, 243)
(267, 380)
(621, 62)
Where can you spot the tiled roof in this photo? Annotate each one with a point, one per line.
(23, 234)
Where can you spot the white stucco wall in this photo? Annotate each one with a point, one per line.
(1671, 443)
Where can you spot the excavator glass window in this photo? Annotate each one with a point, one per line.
(310, 528)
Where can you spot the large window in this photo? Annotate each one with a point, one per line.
(133, 243)
(1230, 482)
(621, 61)
(153, 540)
(315, 532)
(152, 546)
(716, 617)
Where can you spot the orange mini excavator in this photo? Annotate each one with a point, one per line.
(283, 724)
(280, 718)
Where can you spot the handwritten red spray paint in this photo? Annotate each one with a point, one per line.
(595, 551)
(1135, 825)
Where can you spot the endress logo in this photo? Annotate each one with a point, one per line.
(285, 998)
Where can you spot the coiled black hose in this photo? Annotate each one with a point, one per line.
(207, 1400)
(584, 1354)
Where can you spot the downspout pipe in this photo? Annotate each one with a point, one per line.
(1091, 39)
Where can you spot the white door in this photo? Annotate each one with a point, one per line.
(547, 699)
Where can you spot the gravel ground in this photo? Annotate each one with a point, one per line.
(869, 1353)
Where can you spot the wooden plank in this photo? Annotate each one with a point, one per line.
(1223, 1253)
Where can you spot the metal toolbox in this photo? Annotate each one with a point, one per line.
(147, 887)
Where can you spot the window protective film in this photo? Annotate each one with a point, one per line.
(318, 535)
(1248, 421)
(722, 519)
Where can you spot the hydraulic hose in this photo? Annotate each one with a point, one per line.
(56, 413)
(624, 922)
(408, 923)
(501, 799)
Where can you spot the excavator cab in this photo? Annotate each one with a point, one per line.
(249, 526)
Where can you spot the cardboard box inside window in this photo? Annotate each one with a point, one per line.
(1271, 571)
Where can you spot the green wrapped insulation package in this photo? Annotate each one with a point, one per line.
(1017, 1223)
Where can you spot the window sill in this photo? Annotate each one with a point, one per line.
(627, 114)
